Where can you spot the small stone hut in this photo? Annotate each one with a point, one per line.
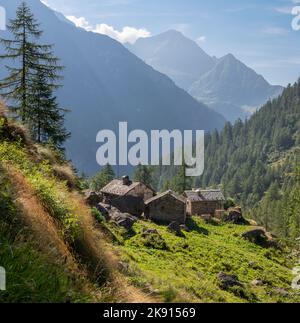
(166, 208)
(127, 196)
(204, 202)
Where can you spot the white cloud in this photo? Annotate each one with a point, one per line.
(284, 10)
(80, 22)
(45, 2)
(126, 35)
(275, 31)
(201, 40)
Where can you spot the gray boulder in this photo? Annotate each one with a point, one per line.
(226, 281)
(260, 237)
(104, 210)
(257, 283)
(124, 220)
(149, 232)
(92, 198)
(235, 216)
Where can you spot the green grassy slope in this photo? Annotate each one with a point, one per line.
(49, 245)
(186, 269)
(33, 275)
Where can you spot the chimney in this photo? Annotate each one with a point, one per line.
(126, 180)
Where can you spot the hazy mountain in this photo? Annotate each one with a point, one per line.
(233, 89)
(104, 83)
(174, 55)
(226, 85)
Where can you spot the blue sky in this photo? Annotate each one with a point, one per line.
(258, 32)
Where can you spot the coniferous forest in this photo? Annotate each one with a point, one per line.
(256, 163)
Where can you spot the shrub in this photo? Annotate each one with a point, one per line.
(98, 216)
(154, 241)
(229, 203)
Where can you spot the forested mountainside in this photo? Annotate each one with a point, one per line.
(255, 161)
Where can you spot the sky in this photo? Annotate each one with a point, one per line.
(258, 32)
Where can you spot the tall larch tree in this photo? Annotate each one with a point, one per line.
(32, 79)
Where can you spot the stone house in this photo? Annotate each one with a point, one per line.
(166, 208)
(127, 196)
(204, 202)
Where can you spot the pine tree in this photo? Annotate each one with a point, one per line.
(45, 118)
(181, 182)
(101, 179)
(29, 57)
(143, 174)
(166, 186)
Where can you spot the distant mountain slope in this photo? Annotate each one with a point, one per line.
(104, 83)
(233, 89)
(226, 84)
(174, 55)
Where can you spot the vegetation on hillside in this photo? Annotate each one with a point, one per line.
(102, 178)
(185, 269)
(255, 163)
(50, 246)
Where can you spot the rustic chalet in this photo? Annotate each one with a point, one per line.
(166, 208)
(204, 202)
(127, 196)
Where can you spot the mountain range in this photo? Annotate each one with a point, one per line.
(226, 84)
(104, 83)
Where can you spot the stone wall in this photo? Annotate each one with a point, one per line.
(133, 202)
(166, 210)
(203, 207)
(142, 191)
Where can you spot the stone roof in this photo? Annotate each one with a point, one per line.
(204, 195)
(162, 195)
(116, 187)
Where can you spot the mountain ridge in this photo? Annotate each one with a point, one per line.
(225, 84)
(232, 82)
(184, 67)
(105, 84)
